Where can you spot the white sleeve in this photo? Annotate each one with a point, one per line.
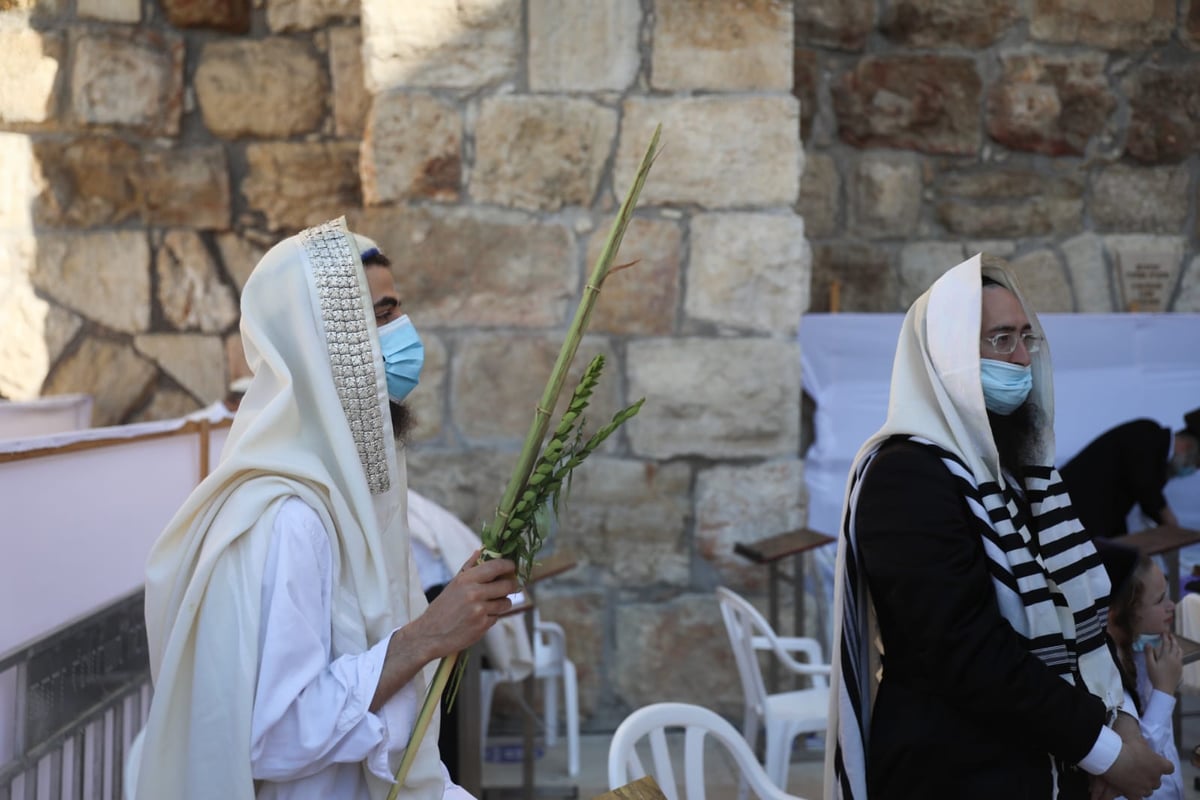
(310, 712)
(1157, 724)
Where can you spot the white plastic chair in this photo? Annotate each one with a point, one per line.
(550, 665)
(784, 715)
(652, 722)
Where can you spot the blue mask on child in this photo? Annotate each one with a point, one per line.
(1005, 385)
(403, 357)
(1147, 641)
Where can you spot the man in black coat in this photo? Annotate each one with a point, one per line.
(1127, 465)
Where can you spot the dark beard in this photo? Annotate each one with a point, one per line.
(402, 420)
(1018, 437)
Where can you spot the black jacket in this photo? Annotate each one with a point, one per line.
(1123, 466)
(964, 709)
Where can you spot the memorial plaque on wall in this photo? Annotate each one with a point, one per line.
(1146, 274)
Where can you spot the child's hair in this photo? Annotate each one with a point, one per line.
(1124, 607)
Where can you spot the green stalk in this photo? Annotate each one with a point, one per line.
(536, 434)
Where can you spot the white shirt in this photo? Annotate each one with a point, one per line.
(312, 730)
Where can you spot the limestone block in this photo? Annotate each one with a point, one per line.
(1051, 105)
(953, 23)
(103, 276)
(29, 74)
(1111, 24)
(540, 152)
(195, 362)
(1147, 269)
(117, 378)
(642, 299)
(466, 44)
(110, 10)
(626, 522)
(806, 81)
(240, 254)
(498, 379)
(298, 184)
(713, 44)
(23, 181)
(412, 149)
(885, 196)
(35, 335)
(718, 398)
(583, 614)
(719, 151)
(748, 272)
(190, 290)
(922, 263)
(1043, 281)
(1151, 199)
(351, 102)
(268, 88)
(166, 403)
(913, 102)
(231, 16)
(307, 15)
(86, 182)
(741, 504)
(186, 186)
(469, 268)
(1189, 292)
(863, 273)
(235, 358)
(594, 47)
(428, 401)
(468, 483)
(841, 24)
(650, 637)
(1090, 275)
(1164, 104)
(1009, 202)
(132, 79)
(820, 195)
(1189, 31)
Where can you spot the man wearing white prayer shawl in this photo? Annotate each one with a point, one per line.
(290, 642)
(970, 657)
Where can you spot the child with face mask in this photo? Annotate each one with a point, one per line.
(1140, 620)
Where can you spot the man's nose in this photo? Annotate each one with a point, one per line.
(1021, 354)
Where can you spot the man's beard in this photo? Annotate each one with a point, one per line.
(1018, 437)
(402, 420)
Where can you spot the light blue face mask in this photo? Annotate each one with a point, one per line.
(403, 357)
(1005, 385)
(1146, 641)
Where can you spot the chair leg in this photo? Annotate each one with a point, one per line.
(571, 700)
(487, 687)
(550, 707)
(779, 745)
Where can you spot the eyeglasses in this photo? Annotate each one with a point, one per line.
(1006, 343)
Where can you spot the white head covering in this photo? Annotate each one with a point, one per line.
(314, 423)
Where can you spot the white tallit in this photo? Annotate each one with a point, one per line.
(937, 398)
(314, 423)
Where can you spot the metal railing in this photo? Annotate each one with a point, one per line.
(77, 698)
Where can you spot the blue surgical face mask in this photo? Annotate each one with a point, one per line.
(1005, 385)
(403, 357)
(1147, 641)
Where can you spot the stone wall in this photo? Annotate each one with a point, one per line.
(1059, 133)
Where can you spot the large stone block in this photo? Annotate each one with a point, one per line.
(1111, 24)
(1090, 273)
(713, 44)
(468, 483)
(240, 254)
(231, 16)
(1150, 199)
(913, 102)
(538, 152)
(742, 504)
(195, 362)
(190, 291)
(166, 403)
(267, 88)
(351, 101)
(86, 182)
(1147, 269)
(806, 81)
(1010, 202)
(642, 299)
(863, 274)
(412, 149)
(1043, 281)
(885, 196)
(128, 11)
(465, 44)
(1164, 105)
(717, 151)
(748, 272)
(954, 23)
(497, 381)
(298, 184)
(116, 377)
(841, 24)
(651, 636)
(23, 179)
(29, 74)
(625, 522)
(428, 401)
(583, 613)
(922, 263)
(1189, 31)
(820, 195)
(307, 15)
(35, 335)
(717, 398)
(132, 79)
(592, 48)
(468, 268)
(102, 276)
(1051, 105)
(186, 186)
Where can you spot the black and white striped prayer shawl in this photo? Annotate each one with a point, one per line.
(1051, 587)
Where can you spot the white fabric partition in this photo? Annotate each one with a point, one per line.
(45, 415)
